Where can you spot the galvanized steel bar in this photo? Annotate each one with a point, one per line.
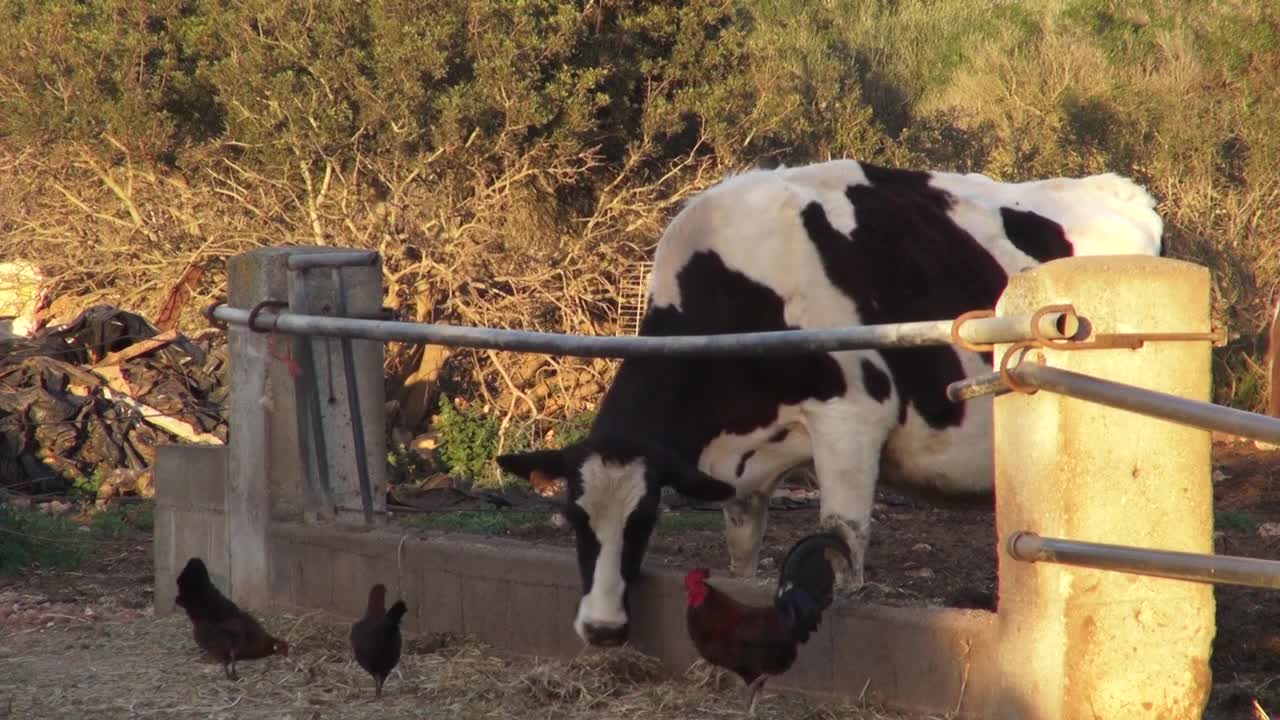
(781, 342)
(337, 259)
(1148, 402)
(977, 386)
(1219, 569)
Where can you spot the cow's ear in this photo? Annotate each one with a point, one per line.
(697, 485)
(528, 465)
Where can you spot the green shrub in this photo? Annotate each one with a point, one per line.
(575, 428)
(511, 159)
(468, 441)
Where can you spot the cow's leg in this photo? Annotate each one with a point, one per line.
(745, 518)
(847, 441)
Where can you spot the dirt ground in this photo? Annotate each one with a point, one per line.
(922, 554)
(125, 663)
(85, 644)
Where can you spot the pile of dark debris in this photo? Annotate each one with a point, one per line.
(85, 404)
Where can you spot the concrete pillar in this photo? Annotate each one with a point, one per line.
(1082, 643)
(265, 473)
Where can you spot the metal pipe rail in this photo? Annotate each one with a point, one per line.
(977, 386)
(1194, 413)
(1220, 569)
(355, 258)
(979, 331)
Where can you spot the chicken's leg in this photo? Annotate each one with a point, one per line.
(754, 694)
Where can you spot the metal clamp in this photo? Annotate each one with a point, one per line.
(1006, 373)
(961, 320)
(253, 314)
(1113, 341)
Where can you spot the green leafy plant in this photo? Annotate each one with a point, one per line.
(405, 465)
(468, 441)
(88, 485)
(575, 428)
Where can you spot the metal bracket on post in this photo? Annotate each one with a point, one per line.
(315, 451)
(298, 265)
(353, 403)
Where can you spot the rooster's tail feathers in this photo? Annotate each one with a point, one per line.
(806, 585)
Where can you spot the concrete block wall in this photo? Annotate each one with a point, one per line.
(189, 515)
(522, 597)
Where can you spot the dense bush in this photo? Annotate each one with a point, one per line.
(511, 159)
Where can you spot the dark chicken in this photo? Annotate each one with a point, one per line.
(375, 638)
(224, 631)
(757, 642)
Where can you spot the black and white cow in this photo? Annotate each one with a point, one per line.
(824, 245)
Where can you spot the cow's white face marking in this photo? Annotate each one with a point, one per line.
(610, 492)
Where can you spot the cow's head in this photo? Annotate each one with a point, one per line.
(612, 489)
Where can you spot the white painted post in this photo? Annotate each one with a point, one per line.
(1080, 643)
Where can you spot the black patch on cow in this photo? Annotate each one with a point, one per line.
(779, 436)
(742, 462)
(683, 403)
(1035, 235)
(875, 381)
(907, 261)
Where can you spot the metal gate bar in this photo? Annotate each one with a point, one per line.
(1218, 569)
(782, 342)
(1197, 414)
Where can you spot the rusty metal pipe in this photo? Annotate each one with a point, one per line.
(977, 386)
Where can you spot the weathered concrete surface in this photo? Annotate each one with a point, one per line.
(266, 474)
(1082, 643)
(523, 598)
(315, 292)
(189, 518)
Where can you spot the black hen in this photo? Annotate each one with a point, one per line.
(220, 628)
(757, 642)
(375, 638)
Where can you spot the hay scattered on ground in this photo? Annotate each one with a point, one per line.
(150, 668)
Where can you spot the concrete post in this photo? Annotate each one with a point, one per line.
(265, 476)
(1082, 643)
(333, 488)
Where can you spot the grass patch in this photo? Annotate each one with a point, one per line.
(1235, 521)
(480, 522)
(124, 520)
(32, 539)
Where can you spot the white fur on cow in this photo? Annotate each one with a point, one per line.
(823, 245)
